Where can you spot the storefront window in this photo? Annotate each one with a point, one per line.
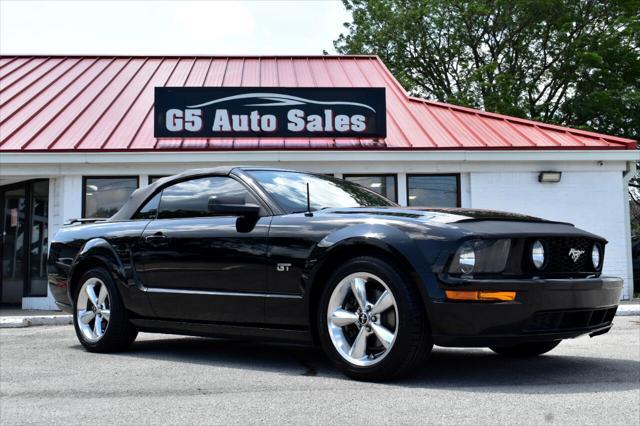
(152, 179)
(433, 190)
(384, 185)
(103, 196)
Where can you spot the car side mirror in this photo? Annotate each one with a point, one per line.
(232, 206)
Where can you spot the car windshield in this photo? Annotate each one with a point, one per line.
(290, 191)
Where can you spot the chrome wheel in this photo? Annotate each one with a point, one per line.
(362, 318)
(93, 309)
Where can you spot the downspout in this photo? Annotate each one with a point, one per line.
(627, 175)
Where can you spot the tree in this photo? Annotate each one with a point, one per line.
(574, 63)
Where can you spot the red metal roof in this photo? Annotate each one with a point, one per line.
(105, 103)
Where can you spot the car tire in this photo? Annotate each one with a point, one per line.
(525, 350)
(405, 318)
(114, 332)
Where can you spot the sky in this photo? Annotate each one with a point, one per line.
(241, 27)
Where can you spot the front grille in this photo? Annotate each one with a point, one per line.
(565, 257)
(559, 255)
(551, 321)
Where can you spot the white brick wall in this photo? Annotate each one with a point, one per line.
(593, 201)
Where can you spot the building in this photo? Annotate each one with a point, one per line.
(77, 137)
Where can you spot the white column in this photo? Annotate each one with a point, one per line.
(72, 195)
(465, 190)
(402, 189)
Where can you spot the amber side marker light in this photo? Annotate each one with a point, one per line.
(496, 296)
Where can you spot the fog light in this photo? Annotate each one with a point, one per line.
(480, 295)
(537, 254)
(595, 256)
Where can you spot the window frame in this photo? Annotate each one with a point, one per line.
(84, 187)
(383, 175)
(458, 189)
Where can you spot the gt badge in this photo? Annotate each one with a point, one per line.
(283, 267)
(575, 254)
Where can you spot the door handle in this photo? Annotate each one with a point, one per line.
(156, 238)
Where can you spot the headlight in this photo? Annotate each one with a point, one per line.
(466, 258)
(537, 254)
(595, 256)
(479, 256)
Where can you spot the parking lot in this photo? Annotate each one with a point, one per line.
(47, 378)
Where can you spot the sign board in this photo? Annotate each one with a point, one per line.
(210, 112)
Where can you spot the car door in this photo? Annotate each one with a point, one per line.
(203, 263)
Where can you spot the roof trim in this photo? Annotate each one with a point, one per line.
(196, 56)
(276, 156)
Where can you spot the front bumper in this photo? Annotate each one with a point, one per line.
(544, 309)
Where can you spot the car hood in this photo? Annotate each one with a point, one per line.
(469, 221)
(438, 215)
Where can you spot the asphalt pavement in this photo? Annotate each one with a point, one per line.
(47, 378)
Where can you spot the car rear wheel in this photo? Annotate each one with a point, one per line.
(100, 318)
(372, 323)
(524, 350)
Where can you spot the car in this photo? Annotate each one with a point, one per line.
(286, 256)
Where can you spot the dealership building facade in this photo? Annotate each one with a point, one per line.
(77, 137)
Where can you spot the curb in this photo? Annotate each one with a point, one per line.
(628, 310)
(20, 322)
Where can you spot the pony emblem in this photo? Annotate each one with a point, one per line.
(575, 254)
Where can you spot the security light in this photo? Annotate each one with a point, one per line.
(549, 177)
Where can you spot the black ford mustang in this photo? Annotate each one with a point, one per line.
(291, 256)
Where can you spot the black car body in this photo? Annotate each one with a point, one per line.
(259, 269)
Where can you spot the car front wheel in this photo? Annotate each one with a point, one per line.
(372, 323)
(100, 318)
(524, 350)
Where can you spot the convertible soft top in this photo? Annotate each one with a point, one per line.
(139, 195)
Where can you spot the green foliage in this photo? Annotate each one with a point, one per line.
(573, 63)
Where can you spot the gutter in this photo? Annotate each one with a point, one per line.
(275, 156)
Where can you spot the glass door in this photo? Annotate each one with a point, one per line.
(13, 251)
(24, 229)
(39, 237)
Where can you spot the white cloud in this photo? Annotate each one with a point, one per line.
(170, 27)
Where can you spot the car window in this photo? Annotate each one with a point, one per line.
(290, 191)
(150, 209)
(192, 198)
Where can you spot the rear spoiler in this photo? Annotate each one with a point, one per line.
(84, 220)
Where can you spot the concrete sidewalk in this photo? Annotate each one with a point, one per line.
(17, 318)
(629, 307)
